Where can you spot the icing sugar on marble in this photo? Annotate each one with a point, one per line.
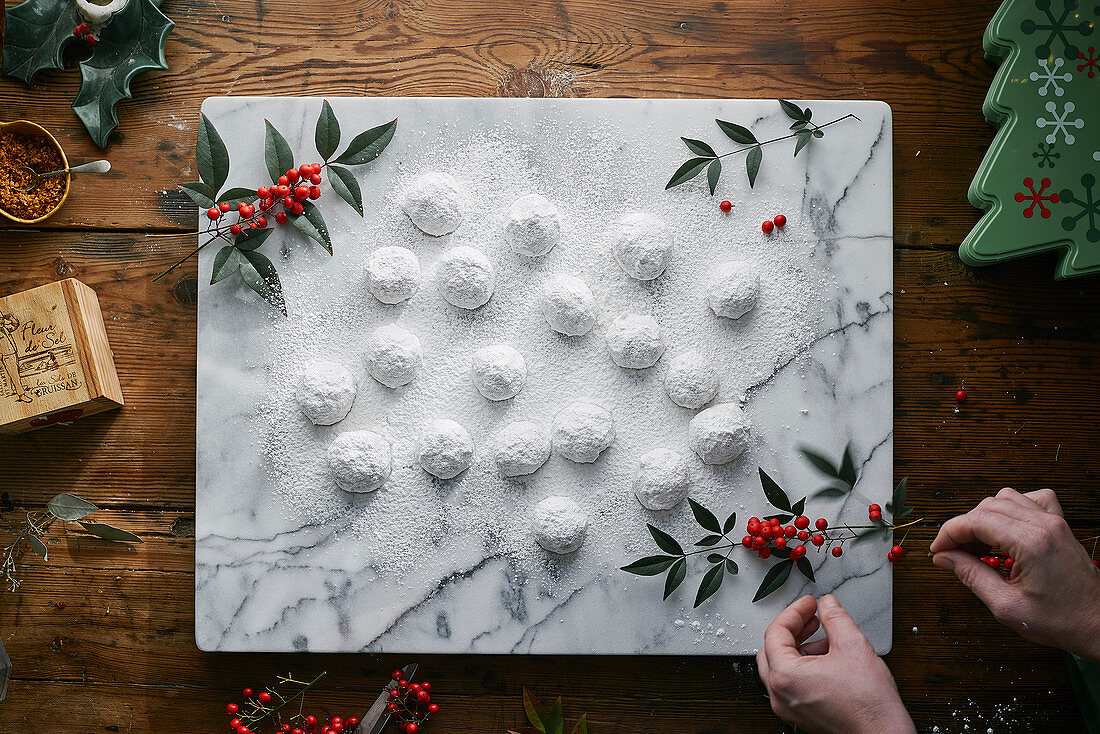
(408, 547)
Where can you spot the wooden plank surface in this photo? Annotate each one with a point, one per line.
(120, 655)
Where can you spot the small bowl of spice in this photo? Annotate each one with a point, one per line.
(24, 197)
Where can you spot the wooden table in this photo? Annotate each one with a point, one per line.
(120, 656)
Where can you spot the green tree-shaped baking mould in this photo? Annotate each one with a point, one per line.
(1038, 183)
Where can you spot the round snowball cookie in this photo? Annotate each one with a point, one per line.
(691, 381)
(466, 278)
(499, 372)
(359, 460)
(522, 448)
(325, 393)
(582, 431)
(394, 356)
(559, 524)
(661, 479)
(433, 202)
(445, 449)
(643, 246)
(533, 226)
(568, 305)
(393, 274)
(719, 434)
(733, 289)
(635, 341)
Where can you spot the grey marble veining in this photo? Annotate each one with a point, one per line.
(269, 578)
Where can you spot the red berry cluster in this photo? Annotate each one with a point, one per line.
(777, 222)
(84, 32)
(999, 564)
(410, 704)
(258, 706)
(292, 188)
(764, 536)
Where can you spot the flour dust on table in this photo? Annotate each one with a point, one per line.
(528, 350)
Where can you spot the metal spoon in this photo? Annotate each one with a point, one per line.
(36, 177)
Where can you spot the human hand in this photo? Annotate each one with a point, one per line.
(1052, 595)
(836, 684)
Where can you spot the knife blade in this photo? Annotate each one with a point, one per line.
(377, 712)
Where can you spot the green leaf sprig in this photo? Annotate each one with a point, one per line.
(718, 544)
(804, 131)
(35, 526)
(244, 236)
(547, 719)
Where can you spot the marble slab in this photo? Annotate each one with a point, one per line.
(274, 572)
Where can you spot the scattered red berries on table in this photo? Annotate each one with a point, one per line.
(779, 220)
(767, 226)
(726, 206)
(960, 396)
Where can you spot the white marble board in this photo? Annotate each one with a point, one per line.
(285, 561)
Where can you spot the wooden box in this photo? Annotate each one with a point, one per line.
(55, 362)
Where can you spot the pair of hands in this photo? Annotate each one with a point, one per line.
(1052, 597)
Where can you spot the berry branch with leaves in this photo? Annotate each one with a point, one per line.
(783, 535)
(243, 218)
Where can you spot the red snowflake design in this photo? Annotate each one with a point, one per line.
(1092, 62)
(1036, 197)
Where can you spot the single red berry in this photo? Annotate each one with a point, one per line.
(747, 541)
(725, 206)
(821, 523)
(301, 193)
(91, 40)
(213, 212)
(873, 508)
(336, 720)
(336, 728)
(897, 550)
(297, 731)
(315, 179)
(281, 217)
(774, 522)
(224, 206)
(779, 220)
(232, 708)
(752, 528)
(803, 534)
(249, 210)
(422, 696)
(264, 697)
(234, 723)
(411, 728)
(261, 222)
(798, 551)
(802, 522)
(766, 532)
(960, 396)
(314, 192)
(789, 531)
(242, 729)
(891, 557)
(315, 168)
(414, 687)
(247, 692)
(1008, 563)
(1096, 563)
(283, 181)
(282, 190)
(326, 729)
(874, 515)
(758, 542)
(288, 202)
(817, 539)
(292, 175)
(352, 721)
(235, 229)
(755, 520)
(837, 551)
(311, 721)
(402, 683)
(994, 562)
(297, 208)
(392, 707)
(305, 170)
(767, 226)
(780, 542)
(765, 552)
(284, 727)
(433, 709)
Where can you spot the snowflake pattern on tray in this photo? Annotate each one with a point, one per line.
(1050, 77)
(1044, 102)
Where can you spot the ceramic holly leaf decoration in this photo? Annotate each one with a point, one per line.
(1038, 184)
(131, 43)
(38, 32)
